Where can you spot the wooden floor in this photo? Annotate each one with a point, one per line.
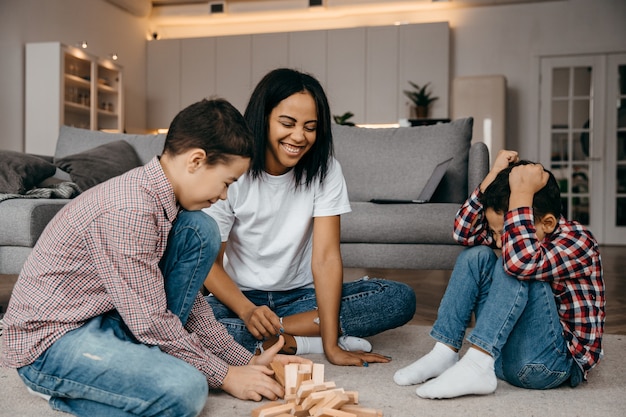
(429, 287)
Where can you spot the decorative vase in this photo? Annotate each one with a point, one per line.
(419, 112)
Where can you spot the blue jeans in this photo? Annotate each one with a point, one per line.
(516, 322)
(368, 307)
(100, 369)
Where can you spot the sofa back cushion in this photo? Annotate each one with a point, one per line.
(74, 140)
(395, 163)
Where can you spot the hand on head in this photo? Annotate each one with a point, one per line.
(528, 178)
(503, 159)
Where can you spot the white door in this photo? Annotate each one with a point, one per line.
(615, 186)
(580, 140)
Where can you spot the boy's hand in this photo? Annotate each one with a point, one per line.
(255, 380)
(525, 181)
(502, 161)
(270, 355)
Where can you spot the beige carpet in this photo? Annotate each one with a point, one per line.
(603, 395)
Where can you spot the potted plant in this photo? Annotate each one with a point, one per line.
(421, 99)
(343, 119)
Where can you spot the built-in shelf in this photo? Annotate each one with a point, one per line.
(67, 86)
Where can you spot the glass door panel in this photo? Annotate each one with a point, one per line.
(615, 214)
(571, 136)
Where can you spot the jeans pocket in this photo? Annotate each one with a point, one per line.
(538, 376)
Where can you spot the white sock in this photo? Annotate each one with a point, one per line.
(431, 365)
(352, 344)
(473, 374)
(38, 394)
(306, 344)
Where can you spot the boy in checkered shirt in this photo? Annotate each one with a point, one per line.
(539, 307)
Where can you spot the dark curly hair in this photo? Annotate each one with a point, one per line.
(547, 200)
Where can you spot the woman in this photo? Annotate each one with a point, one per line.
(279, 270)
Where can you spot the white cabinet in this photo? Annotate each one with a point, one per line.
(67, 86)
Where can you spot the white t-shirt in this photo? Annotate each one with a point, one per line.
(269, 227)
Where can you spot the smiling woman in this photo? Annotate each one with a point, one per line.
(280, 228)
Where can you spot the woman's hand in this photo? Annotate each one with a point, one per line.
(338, 356)
(261, 322)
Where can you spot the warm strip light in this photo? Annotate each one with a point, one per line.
(379, 125)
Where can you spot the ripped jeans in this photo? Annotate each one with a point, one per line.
(368, 306)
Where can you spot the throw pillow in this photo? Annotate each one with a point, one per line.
(20, 172)
(99, 164)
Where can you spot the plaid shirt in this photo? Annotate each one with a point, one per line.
(101, 252)
(568, 259)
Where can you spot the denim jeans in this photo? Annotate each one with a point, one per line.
(516, 322)
(368, 306)
(100, 369)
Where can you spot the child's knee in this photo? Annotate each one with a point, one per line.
(480, 253)
(187, 395)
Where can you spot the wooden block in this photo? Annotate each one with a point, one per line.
(279, 372)
(331, 412)
(359, 411)
(301, 377)
(317, 374)
(291, 378)
(299, 411)
(305, 389)
(306, 368)
(324, 393)
(256, 411)
(310, 401)
(354, 397)
(334, 400)
(337, 401)
(277, 410)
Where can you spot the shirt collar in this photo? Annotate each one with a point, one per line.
(163, 188)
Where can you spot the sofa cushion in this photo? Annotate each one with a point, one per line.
(19, 172)
(407, 157)
(399, 223)
(73, 140)
(93, 166)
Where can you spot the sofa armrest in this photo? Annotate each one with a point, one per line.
(22, 219)
(478, 165)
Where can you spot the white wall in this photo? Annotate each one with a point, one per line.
(106, 28)
(505, 39)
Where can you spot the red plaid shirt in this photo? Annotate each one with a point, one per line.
(568, 258)
(101, 252)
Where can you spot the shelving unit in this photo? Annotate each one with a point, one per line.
(67, 86)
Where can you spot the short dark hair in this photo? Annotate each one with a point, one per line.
(276, 86)
(214, 126)
(547, 200)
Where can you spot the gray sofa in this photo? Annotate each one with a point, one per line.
(395, 164)
(377, 163)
